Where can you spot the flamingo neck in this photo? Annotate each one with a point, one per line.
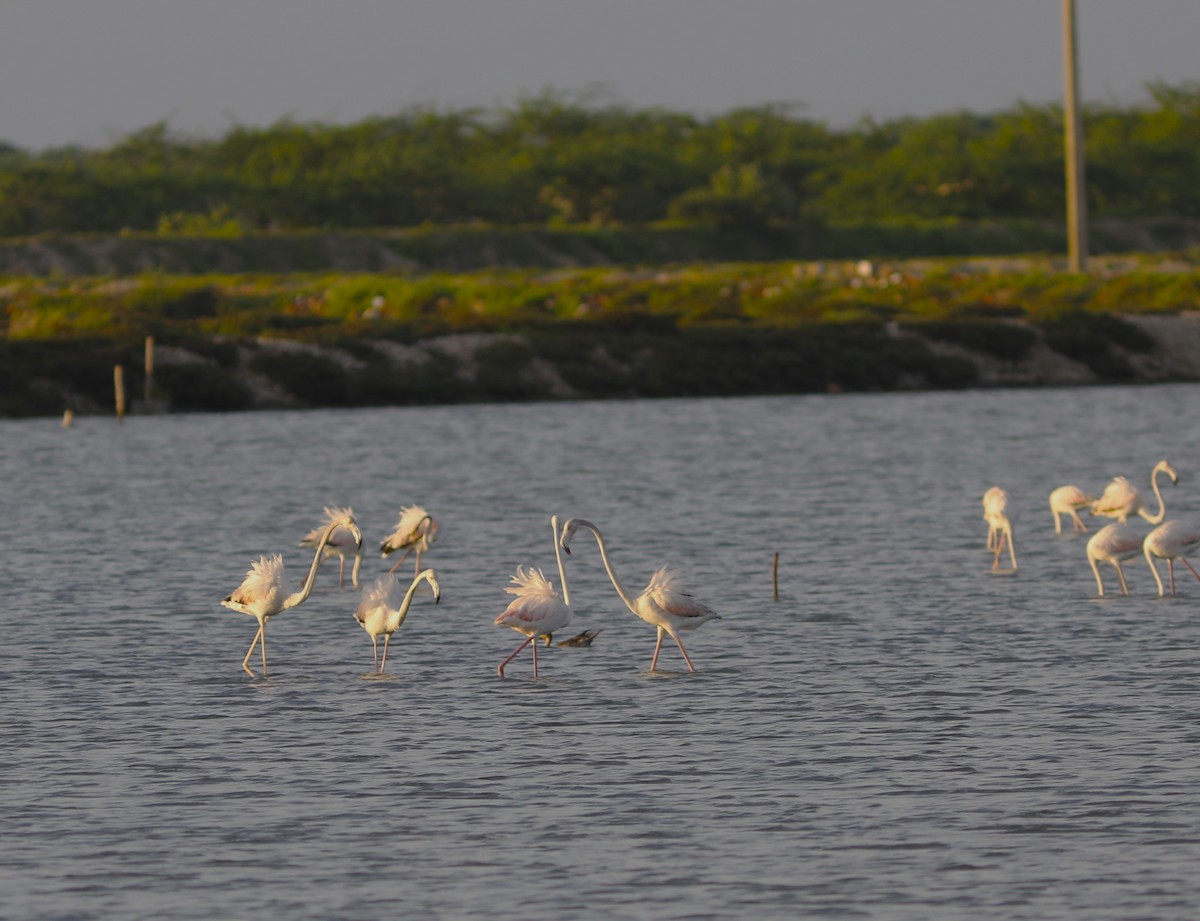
(1162, 506)
(406, 603)
(625, 596)
(562, 570)
(292, 600)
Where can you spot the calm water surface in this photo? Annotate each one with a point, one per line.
(900, 735)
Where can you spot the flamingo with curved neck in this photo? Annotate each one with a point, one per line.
(378, 611)
(662, 603)
(1121, 499)
(262, 592)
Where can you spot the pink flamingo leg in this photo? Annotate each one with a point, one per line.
(1171, 573)
(500, 668)
(250, 651)
(657, 647)
(1121, 577)
(533, 646)
(1183, 559)
(679, 643)
(383, 662)
(375, 651)
(396, 565)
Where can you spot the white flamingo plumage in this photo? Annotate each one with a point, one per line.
(416, 530)
(999, 513)
(1113, 544)
(383, 609)
(1122, 500)
(341, 544)
(263, 594)
(663, 603)
(1070, 500)
(537, 610)
(1171, 541)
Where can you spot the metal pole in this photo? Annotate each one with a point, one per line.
(1077, 242)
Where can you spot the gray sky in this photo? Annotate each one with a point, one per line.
(90, 71)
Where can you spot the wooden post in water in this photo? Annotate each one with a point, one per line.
(775, 576)
(119, 388)
(149, 368)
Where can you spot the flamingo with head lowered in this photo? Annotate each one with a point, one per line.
(1122, 500)
(263, 594)
(1070, 500)
(341, 544)
(416, 530)
(999, 513)
(663, 603)
(537, 610)
(1113, 544)
(1171, 541)
(382, 610)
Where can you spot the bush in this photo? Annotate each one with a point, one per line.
(202, 388)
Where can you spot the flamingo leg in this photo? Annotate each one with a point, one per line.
(1121, 577)
(341, 571)
(1012, 552)
(1096, 572)
(1157, 578)
(1183, 560)
(250, 651)
(1080, 527)
(263, 648)
(679, 643)
(533, 646)
(400, 560)
(1171, 572)
(500, 668)
(375, 651)
(657, 647)
(382, 665)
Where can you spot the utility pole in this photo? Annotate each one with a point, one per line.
(1077, 242)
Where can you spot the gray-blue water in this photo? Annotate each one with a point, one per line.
(900, 735)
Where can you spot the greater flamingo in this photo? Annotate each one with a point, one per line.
(1121, 499)
(663, 603)
(262, 594)
(1171, 541)
(1070, 500)
(537, 610)
(382, 610)
(341, 543)
(416, 530)
(1113, 544)
(999, 512)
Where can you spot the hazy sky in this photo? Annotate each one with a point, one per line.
(90, 71)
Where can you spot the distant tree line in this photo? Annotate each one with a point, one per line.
(577, 159)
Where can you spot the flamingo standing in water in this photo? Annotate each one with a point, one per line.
(262, 594)
(341, 544)
(383, 610)
(662, 603)
(1113, 544)
(1122, 500)
(537, 610)
(999, 513)
(1070, 500)
(416, 530)
(1170, 541)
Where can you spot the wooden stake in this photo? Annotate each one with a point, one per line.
(119, 387)
(149, 368)
(775, 576)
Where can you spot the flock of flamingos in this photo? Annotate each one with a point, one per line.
(1112, 544)
(537, 611)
